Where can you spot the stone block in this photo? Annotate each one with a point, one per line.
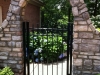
(88, 48)
(94, 57)
(23, 13)
(75, 22)
(89, 22)
(19, 59)
(5, 23)
(87, 53)
(5, 39)
(7, 35)
(19, 66)
(20, 54)
(13, 26)
(97, 32)
(19, 44)
(3, 57)
(97, 53)
(75, 11)
(7, 49)
(96, 62)
(82, 6)
(16, 10)
(82, 23)
(22, 3)
(18, 18)
(14, 2)
(75, 35)
(1, 35)
(85, 35)
(8, 18)
(92, 27)
(97, 68)
(17, 38)
(74, 56)
(14, 22)
(3, 53)
(2, 43)
(6, 29)
(14, 54)
(12, 65)
(13, 29)
(11, 61)
(81, 28)
(10, 7)
(78, 19)
(19, 33)
(17, 49)
(87, 67)
(75, 46)
(20, 62)
(1, 28)
(13, 17)
(89, 29)
(10, 33)
(9, 14)
(82, 56)
(77, 62)
(11, 44)
(77, 40)
(74, 2)
(83, 10)
(97, 37)
(86, 73)
(86, 15)
(81, 1)
(88, 62)
(90, 41)
(17, 0)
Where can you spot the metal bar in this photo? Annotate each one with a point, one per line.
(68, 49)
(48, 28)
(95, 8)
(71, 40)
(69, 13)
(33, 50)
(28, 51)
(24, 49)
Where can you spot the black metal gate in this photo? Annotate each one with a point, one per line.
(47, 51)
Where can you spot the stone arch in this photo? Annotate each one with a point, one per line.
(86, 39)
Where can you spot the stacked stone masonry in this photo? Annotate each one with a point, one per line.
(11, 50)
(86, 54)
(86, 51)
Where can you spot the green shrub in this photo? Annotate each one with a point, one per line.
(98, 74)
(6, 71)
(46, 47)
(96, 21)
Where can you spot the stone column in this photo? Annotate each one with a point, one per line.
(86, 54)
(11, 50)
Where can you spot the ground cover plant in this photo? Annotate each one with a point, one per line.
(6, 71)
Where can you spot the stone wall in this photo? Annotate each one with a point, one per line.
(86, 54)
(86, 43)
(11, 52)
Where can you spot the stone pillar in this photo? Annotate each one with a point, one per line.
(86, 54)
(11, 50)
